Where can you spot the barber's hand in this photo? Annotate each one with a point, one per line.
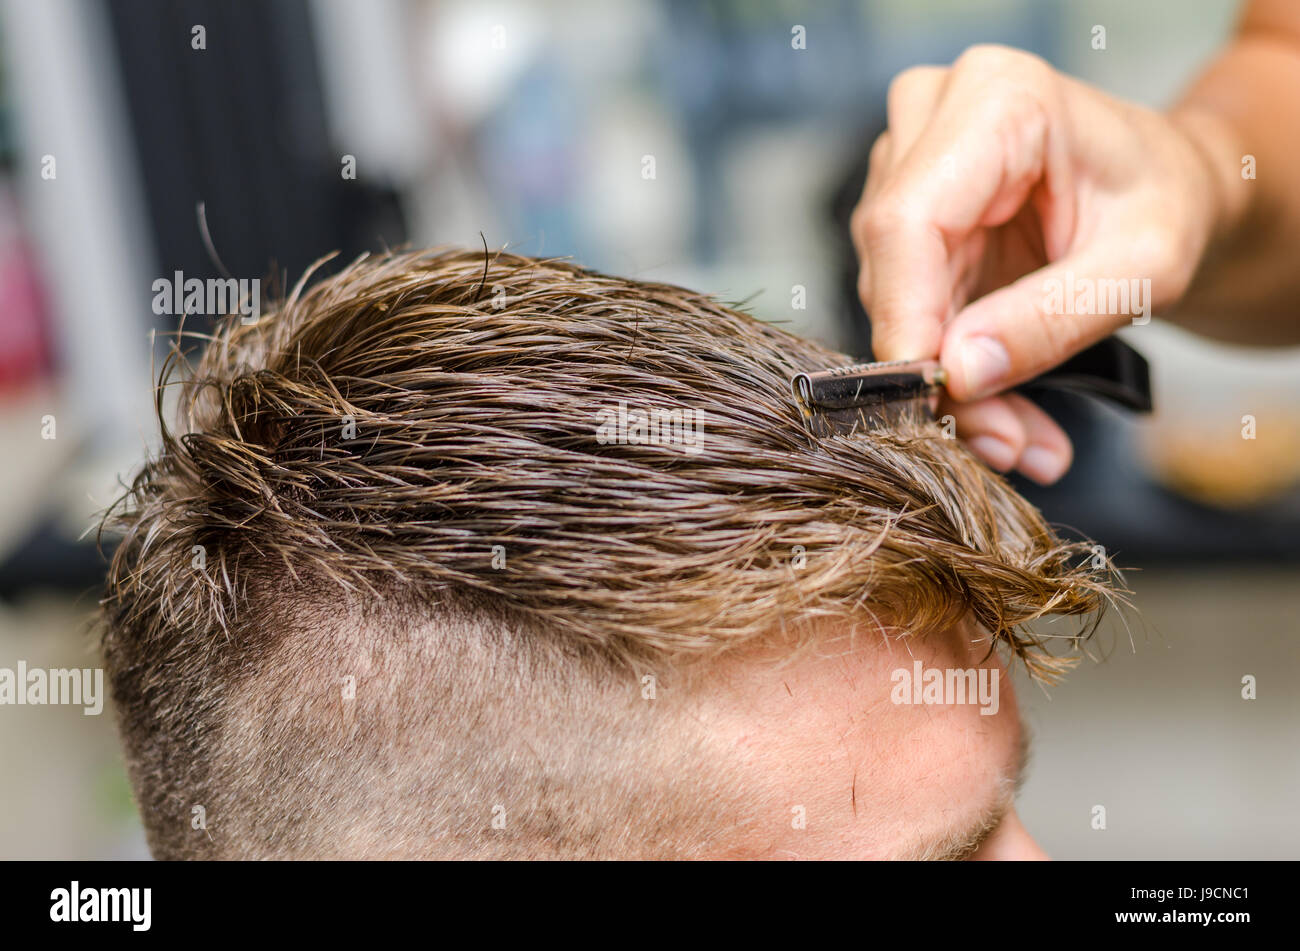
(995, 177)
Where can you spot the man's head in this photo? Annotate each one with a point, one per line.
(478, 555)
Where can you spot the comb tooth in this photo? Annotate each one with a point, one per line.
(855, 368)
(872, 367)
(851, 397)
(863, 419)
(840, 390)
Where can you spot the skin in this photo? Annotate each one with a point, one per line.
(998, 173)
(877, 780)
(764, 730)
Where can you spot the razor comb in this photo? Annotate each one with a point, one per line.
(847, 399)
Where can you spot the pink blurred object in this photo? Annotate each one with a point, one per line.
(25, 352)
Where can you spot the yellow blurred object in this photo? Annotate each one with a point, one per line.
(1256, 462)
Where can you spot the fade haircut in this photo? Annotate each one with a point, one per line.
(387, 580)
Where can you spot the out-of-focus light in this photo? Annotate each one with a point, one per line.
(477, 51)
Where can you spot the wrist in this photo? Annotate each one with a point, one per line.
(1228, 167)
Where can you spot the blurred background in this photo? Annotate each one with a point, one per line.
(719, 145)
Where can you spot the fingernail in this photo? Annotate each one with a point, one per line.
(985, 363)
(998, 454)
(1043, 465)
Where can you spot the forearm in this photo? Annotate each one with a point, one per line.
(1242, 114)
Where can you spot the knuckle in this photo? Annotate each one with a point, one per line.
(875, 171)
(879, 154)
(993, 59)
(995, 419)
(1015, 435)
(1013, 110)
(1155, 254)
(864, 285)
(894, 94)
(884, 216)
(905, 86)
(858, 227)
(983, 57)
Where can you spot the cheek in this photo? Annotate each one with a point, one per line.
(950, 755)
(983, 732)
(941, 757)
(872, 773)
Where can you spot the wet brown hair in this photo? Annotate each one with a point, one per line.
(423, 428)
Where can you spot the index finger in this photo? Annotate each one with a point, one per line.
(976, 163)
(910, 284)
